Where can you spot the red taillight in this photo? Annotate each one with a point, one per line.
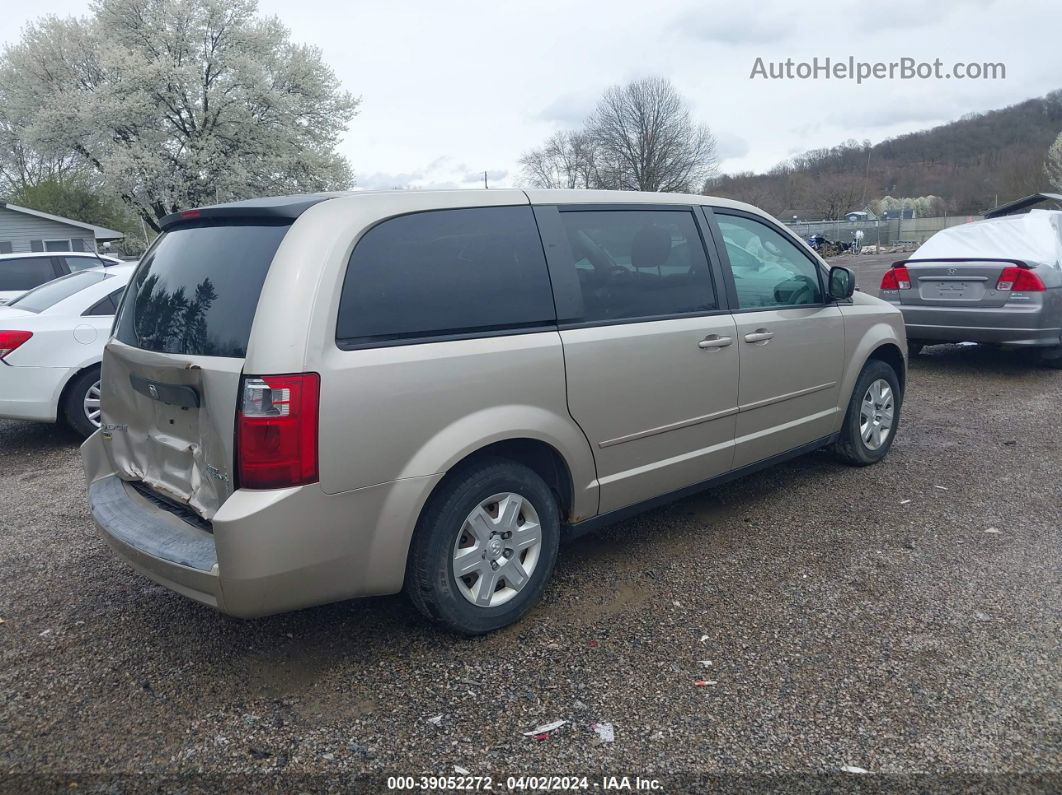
(896, 278)
(189, 215)
(9, 340)
(1019, 280)
(276, 431)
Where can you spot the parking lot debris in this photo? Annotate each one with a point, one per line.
(942, 488)
(904, 502)
(706, 663)
(461, 771)
(704, 682)
(854, 769)
(992, 530)
(606, 732)
(46, 633)
(545, 730)
(704, 638)
(436, 721)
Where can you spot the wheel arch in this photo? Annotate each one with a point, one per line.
(539, 456)
(71, 377)
(891, 354)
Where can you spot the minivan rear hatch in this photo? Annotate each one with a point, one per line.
(171, 374)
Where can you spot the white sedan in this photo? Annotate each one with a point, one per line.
(51, 344)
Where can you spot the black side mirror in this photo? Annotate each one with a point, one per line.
(842, 283)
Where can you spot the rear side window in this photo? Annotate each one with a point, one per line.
(446, 272)
(26, 273)
(639, 263)
(106, 306)
(48, 295)
(76, 264)
(196, 291)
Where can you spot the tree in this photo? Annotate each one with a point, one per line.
(175, 103)
(567, 160)
(640, 137)
(647, 140)
(1053, 165)
(831, 196)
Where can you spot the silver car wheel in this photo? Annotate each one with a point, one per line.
(92, 404)
(876, 414)
(497, 550)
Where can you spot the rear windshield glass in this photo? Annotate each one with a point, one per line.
(197, 289)
(25, 273)
(48, 295)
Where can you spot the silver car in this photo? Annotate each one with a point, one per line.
(997, 281)
(313, 398)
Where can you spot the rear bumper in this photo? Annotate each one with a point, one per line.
(158, 544)
(31, 393)
(1033, 325)
(270, 551)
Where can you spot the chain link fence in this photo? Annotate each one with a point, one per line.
(907, 232)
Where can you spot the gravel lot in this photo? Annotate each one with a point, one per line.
(903, 618)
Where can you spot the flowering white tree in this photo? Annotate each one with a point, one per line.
(176, 103)
(1053, 165)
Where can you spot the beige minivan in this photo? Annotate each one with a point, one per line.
(313, 398)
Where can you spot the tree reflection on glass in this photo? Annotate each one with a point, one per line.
(171, 322)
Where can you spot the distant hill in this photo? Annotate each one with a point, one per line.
(970, 164)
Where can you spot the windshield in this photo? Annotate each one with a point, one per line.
(196, 291)
(48, 295)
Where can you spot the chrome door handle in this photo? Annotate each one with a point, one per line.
(759, 335)
(715, 341)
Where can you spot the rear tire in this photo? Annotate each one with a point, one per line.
(864, 439)
(484, 547)
(1052, 358)
(82, 396)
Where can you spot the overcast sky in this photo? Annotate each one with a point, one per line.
(451, 89)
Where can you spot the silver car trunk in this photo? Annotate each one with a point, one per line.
(170, 422)
(955, 282)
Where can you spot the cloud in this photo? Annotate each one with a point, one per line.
(384, 180)
(733, 24)
(569, 109)
(728, 145)
(493, 175)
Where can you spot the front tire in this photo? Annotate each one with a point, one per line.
(484, 548)
(872, 418)
(81, 403)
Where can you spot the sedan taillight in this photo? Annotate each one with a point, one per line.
(9, 340)
(896, 278)
(276, 431)
(1019, 280)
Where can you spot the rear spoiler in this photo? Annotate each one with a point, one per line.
(275, 210)
(905, 262)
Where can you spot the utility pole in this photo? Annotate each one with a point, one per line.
(485, 180)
